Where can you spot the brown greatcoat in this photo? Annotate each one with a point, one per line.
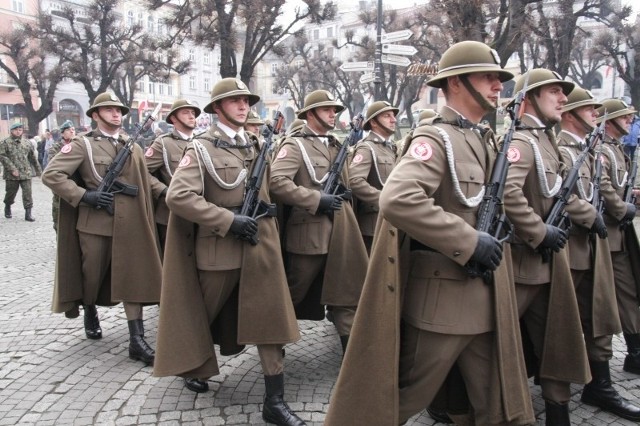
(564, 356)
(135, 260)
(419, 197)
(309, 233)
(370, 165)
(620, 239)
(162, 158)
(587, 251)
(198, 238)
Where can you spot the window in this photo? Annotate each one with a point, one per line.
(206, 58)
(588, 43)
(192, 55)
(160, 26)
(140, 18)
(192, 82)
(170, 88)
(330, 52)
(130, 21)
(274, 69)
(18, 6)
(151, 87)
(316, 34)
(150, 23)
(330, 32)
(139, 86)
(160, 88)
(207, 84)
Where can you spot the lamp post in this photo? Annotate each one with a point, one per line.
(378, 57)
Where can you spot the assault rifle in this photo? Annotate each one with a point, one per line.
(595, 139)
(109, 182)
(252, 205)
(333, 184)
(491, 216)
(558, 217)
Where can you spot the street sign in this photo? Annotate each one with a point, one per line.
(398, 49)
(367, 78)
(356, 66)
(400, 61)
(396, 36)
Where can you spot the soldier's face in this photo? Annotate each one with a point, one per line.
(588, 114)
(550, 101)
(17, 132)
(253, 128)
(488, 84)
(186, 116)
(387, 120)
(69, 133)
(326, 115)
(111, 116)
(233, 111)
(624, 122)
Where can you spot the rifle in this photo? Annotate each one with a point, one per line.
(109, 182)
(252, 206)
(558, 217)
(597, 200)
(491, 216)
(333, 184)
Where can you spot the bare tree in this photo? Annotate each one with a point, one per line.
(241, 28)
(100, 51)
(25, 62)
(585, 63)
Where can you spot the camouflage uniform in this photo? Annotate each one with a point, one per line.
(16, 154)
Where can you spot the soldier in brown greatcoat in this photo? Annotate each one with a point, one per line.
(164, 155)
(325, 257)
(372, 161)
(421, 310)
(67, 133)
(217, 287)
(104, 259)
(590, 262)
(546, 297)
(623, 242)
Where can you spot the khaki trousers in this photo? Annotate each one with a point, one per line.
(216, 288)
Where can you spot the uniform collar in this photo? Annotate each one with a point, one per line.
(232, 133)
(576, 138)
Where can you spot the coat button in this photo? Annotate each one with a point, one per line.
(391, 287)
(392, 232)
(456, 253)
(472, 177)
(392, 259)
(436, 273)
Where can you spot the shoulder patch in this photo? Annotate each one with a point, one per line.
(148, 152)
(66, 149)
(282, 153)
(513, 155)
(186, 160)
(421, 151)
(357, 159)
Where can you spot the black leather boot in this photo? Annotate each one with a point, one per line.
(196, 385)
(632, 360)
(600, 393)
(344, 340)
(439, 416)
(556, 414)
(275, 410)
(7, 211)
(27, 215)
(138, 348)
(91, 322)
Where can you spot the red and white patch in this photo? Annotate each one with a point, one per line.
(186, 160)
(513, 155)
(357, 159)
(282, 153)
(421, 151)
(66, 149)
(148, 152)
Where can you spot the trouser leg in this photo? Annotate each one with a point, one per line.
(96, 263)
(27, 197)
(11, 190)
(626, 292)
(303, 271)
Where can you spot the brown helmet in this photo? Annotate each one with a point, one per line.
(296, 125)
(181, 104)
(227, 88)
(426, 114)
(376, 109)
(468, 57)
(317, 99)
(541, 77)
(107, 99)
(254, 119)
(614, 108)
(580, 97)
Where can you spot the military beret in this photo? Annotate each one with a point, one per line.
(16, 126)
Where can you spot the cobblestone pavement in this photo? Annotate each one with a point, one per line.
(51, 374)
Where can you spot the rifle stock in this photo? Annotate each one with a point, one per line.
(333, 185)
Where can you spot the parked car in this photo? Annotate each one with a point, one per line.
(404, 120)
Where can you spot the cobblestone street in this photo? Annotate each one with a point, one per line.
(50, 373)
